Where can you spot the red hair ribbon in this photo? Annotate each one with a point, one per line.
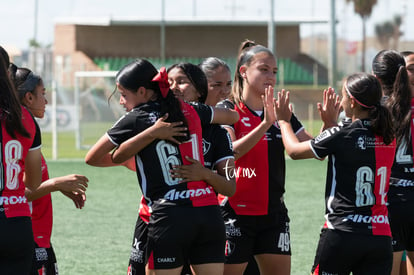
(162, 79)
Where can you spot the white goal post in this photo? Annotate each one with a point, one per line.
(78, 75)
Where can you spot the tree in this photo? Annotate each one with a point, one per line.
(387, 31)
(384, 33)
(33, 43)
(364, 9)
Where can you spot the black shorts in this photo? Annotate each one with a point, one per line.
(253, 235)
(402, 226)
(178, 233)
(137, 259)
(16, 245)
(139, 245)
(344, 252)
(44, 261)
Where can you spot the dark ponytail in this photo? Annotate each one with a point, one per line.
(389, 67)
(10, 108)
(140, 73)
(366, 91)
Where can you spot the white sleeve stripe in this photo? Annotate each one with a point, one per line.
(35, 148)
(110, 139)
(212, 114)
(314, 152)
(223, 159)
(300, 129)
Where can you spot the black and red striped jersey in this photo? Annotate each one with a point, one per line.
(402, 171)
(13, 202)
(154, 162)
(260, 173)
(357, 178)
(217, 147)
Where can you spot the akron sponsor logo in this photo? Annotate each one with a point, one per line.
(12, 200)
(367, 219)
(186, 194)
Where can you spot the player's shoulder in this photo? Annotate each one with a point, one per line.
(29, 121)
(226, 103)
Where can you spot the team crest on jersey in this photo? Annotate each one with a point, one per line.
(361, 143)
(206, 146)
(152, 117)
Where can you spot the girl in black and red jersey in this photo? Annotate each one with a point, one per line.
(189, 83)
(218, 76)
(185, 222)
(256, 215)
(20, 154)
(356, 236)
(31, 92)
(390, 68)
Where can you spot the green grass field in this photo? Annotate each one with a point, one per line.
(97, 239)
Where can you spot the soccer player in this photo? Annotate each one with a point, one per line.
(356, 236)
(185, 215)
(390, 68)
(256, 217)
(20, 154)
(189, 83)
(31, 92)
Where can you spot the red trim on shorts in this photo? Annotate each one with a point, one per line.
(151, 261)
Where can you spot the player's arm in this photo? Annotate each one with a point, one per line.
(329, 109)
(224, 116)
(159, 130)
(70, 183)
(33, 171)
(294, 148)
(100, 153)
(195, 171)
(221, 114)
(227, 184)
(245, 144)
